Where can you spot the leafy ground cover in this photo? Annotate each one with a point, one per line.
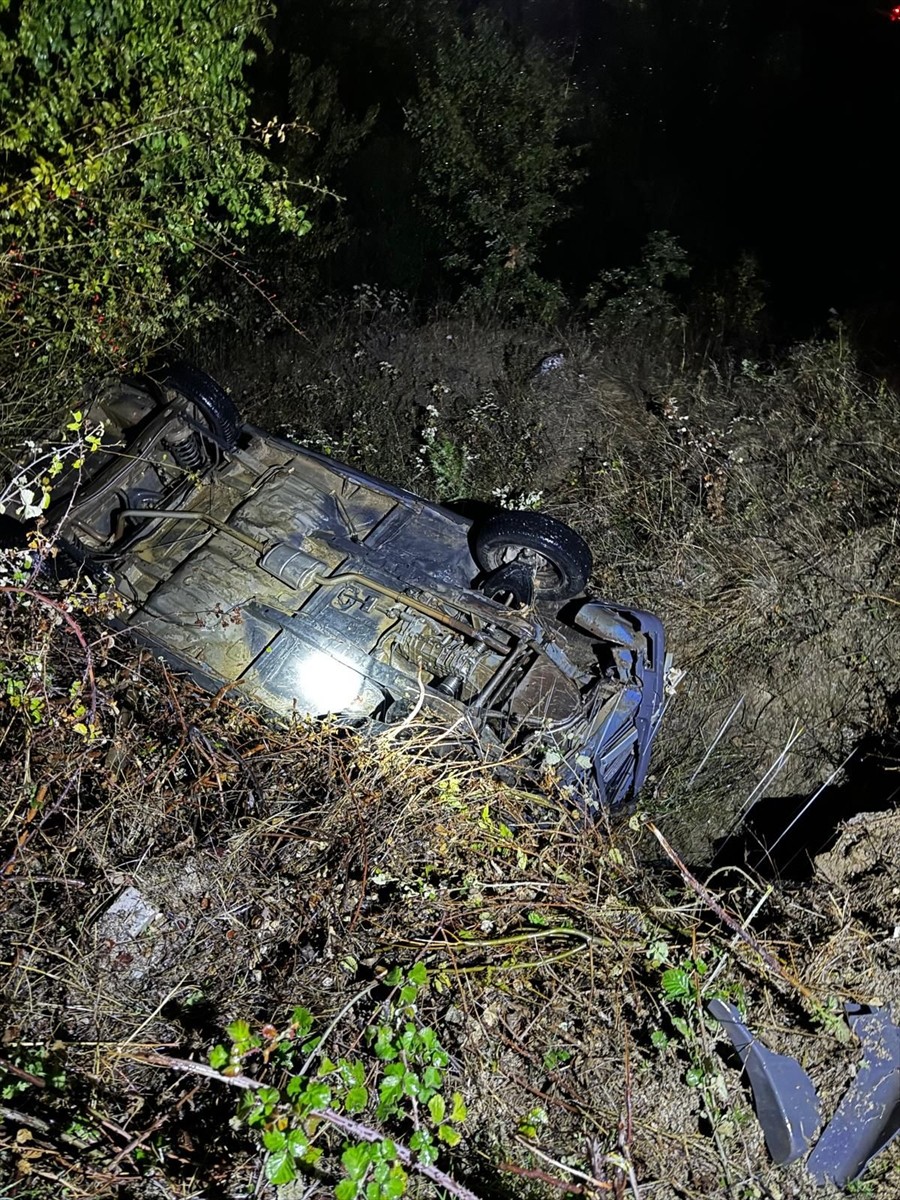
(235, 953)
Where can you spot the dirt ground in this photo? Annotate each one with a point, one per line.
(190, 865)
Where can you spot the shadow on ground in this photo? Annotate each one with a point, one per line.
(783, 835)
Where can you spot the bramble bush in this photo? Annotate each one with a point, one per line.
(402, 1080)
(129, 163)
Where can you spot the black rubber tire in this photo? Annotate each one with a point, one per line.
(563, 561)
(217, 407)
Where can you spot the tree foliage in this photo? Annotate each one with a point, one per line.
(490, 119)
(319, 147)
(128, 163)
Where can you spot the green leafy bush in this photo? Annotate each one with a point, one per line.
(319, 147)
(639, 298)
(489, 120)
(403, 1079)
(128, 163)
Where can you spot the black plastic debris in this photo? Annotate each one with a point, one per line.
(786, 1102)
(868, 1117)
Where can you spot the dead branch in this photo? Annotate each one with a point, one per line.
(726, 918)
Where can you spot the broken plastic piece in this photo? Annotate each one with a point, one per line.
(868, 1117)
(786, 1102)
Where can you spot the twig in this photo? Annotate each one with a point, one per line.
(42, 1127)
(320, 1044)
(575, 1189)
(773, 772)
(560, 1166)
(19, 1073)
(810, 802)
(733, 924)
(363, 1133)
(25, 836)
(745, 924)
(705, 759)
(141, 1138)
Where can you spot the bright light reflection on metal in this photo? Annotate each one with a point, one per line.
(322, 685)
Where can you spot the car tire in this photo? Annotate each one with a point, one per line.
(210, 398)
(560, 558)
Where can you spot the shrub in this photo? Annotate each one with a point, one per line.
(490, 119)
(129, 163)
(640, 297)
(319, 147)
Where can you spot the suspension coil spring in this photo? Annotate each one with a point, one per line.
(187, 451)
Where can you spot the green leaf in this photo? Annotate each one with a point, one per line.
(433, 1078)
(418, 975)
(391, 1182)
(449, 1135)
(458, 1112)
(302, 1021)
(218, 1058)
(317, 1094)
(239, 1032)
(676, 983)
(280, 1167)
(682, 1027)
(268, 1097)
(352, 1072)
(298, 1142)
(658, 952)
(438, 1108)
(356, 1160)
(422, 1145)
(346, 1189)
(384, 1043)
(356, 1099)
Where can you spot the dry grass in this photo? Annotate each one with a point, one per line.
(289, 866)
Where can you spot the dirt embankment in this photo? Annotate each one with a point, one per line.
(753, 506)
(189, 865)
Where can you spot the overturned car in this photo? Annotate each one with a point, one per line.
(311, 588)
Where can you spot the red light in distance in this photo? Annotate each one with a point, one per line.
(894, 14)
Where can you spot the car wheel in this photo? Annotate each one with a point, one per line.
(560, 560)
(210, 399)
